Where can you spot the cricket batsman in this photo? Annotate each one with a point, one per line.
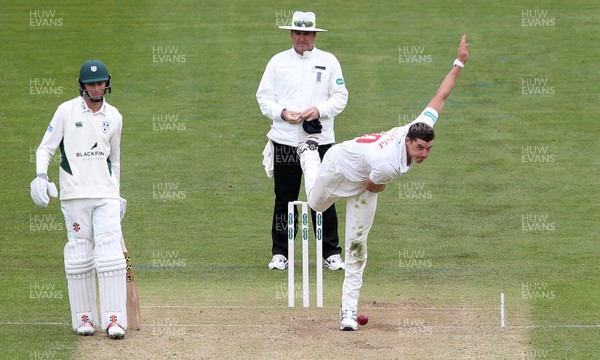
(359, 169)
(88, 132)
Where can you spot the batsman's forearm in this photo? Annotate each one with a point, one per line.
(42, 161)
(116, 170)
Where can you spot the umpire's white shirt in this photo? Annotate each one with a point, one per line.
(296, 82)
(90, 147)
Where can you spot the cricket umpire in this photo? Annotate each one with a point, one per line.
(88, 132)
(301, 91)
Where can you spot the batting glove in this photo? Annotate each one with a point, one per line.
(123, 204)
(41, 188)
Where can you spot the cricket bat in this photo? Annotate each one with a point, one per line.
(134, 320)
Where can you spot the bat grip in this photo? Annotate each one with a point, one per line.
(129, 273)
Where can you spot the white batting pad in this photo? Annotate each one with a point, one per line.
(113, 290)
(81, 282)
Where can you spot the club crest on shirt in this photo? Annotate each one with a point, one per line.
(105, 126)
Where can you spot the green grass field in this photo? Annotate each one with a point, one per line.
(508, 201)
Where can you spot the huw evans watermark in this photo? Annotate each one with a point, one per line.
(286, 155)
(167, 122)
(44, 19)
(414, 327)
(534, 86)
(167, 327)
(170, 54)
(44, 86)
(44, 290)
(167, 191)
(281, 291)
(413, 190)
(536, 18)
(407, 118)
(413, 259)
(531, 354)
(281, 222)
(537, 154)
(46, 222)
(42, 354)
(283, 17)
(56, 158)
(537, 222)
(537, 290)
(413, 54)
(167, 259)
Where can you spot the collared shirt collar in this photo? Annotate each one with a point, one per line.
(84, 106)
(306, 54)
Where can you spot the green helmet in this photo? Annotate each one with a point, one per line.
(93, 71)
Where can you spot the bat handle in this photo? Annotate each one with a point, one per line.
(129, 273)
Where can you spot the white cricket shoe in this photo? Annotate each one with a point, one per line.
(85, 329)
(115, 331)
(279, 262)
(311, 143)
(348, 320)
(334, 262)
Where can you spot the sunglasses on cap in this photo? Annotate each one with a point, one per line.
(303, 23)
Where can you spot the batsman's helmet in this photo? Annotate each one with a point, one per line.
(94, 71)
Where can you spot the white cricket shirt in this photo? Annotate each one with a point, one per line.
(380, 157)
(296, 82)
(90, 148)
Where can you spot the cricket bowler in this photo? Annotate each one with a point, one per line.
(357, 170)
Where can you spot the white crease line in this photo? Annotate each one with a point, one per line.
(330, 307)
(567, 326)
(31, 323)
(593, 326)
(425, 326)
(212, 307)
(211, 325)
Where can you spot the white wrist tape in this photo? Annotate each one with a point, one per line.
(458, 63)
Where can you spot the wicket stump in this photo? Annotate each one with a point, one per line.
(305, 254)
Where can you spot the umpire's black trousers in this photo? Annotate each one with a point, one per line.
(287, 179)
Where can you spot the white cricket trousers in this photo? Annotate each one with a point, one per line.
(94, 246)
(325, 185)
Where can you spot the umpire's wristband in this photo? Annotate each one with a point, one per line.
(282, 117)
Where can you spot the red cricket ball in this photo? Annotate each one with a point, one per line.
(362, 319)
